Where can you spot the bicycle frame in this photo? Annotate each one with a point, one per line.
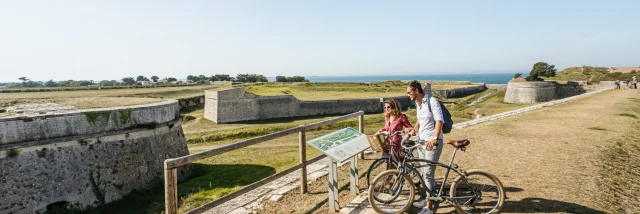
(435, 196)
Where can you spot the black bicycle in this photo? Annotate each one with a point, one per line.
(472, 191)
(389, 162)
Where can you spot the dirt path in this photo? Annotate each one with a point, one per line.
(548, 159)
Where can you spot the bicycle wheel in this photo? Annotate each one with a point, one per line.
(391, 192)
(481, 193)
(379, 166)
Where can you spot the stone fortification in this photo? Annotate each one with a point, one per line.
(497, 86)
(532, 92)
(238, 105)
(460, 92)
(529, 92)
(191, 102)
(85, 158)
(607, 84)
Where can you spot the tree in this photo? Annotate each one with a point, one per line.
(220, 77)
(261, 78)
(141, 78)
(84, 83)
(128, 80)
(50, 83)
(155, 78)
(105, 83)
(281, 79)
(172, 79)
(517, 75)
(541, 69)
(242, 77)
(192, 78)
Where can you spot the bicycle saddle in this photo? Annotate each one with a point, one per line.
(459, 143)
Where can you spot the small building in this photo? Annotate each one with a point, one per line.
(624, 69)
(145, 83)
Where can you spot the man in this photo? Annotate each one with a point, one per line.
(429, 126)
(635, 82)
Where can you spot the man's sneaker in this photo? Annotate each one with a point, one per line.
(425, 211)
(420, 203)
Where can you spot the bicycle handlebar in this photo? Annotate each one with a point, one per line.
(404, 140)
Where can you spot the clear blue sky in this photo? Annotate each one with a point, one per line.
(113, 39)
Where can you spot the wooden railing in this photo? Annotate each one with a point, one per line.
(171, 165)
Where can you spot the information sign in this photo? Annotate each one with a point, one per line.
(342, 144)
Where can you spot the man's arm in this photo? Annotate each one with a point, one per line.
(412, 131)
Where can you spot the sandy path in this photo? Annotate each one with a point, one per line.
(546, 158)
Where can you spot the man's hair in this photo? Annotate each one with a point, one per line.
(415, 84)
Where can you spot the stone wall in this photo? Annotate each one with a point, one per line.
(610, 84)
(573, 88)
(85, 158)
(236, 104)
(190, 102)
(529, 92)
(497, 86)
(460, 92)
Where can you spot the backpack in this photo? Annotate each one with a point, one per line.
(448, 122)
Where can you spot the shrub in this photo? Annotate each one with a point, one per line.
(517, 75)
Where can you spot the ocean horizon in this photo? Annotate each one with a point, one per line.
(491, 78)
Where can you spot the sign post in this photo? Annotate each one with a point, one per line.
(341, 146)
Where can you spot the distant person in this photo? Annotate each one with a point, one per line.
(635, 82)
(618, 83)
(429, 125)
(394, 120)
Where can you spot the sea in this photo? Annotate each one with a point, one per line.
(495, 78)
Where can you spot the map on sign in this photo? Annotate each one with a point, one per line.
(342, 144)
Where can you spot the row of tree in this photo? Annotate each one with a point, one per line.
(199, 79)
(225, 77)
(27, 83)
(291, 79)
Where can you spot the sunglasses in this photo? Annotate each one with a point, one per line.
(387, 107)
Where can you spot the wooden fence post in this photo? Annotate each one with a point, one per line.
(303, 160)
(361, 129)
(171, 190)
(353, 177)
(334, 206)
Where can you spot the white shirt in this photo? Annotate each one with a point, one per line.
(427, 119)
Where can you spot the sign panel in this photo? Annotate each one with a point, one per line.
(342, 144)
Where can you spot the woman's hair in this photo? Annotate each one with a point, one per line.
(395, 109)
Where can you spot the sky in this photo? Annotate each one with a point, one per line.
(98, 40)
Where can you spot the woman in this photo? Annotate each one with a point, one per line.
(394, 120)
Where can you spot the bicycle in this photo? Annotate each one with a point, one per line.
(385, 163)
(468, 192)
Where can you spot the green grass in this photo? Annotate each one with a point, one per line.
(216, 136)
(83, 99)
(309, 91)
(591, 74)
